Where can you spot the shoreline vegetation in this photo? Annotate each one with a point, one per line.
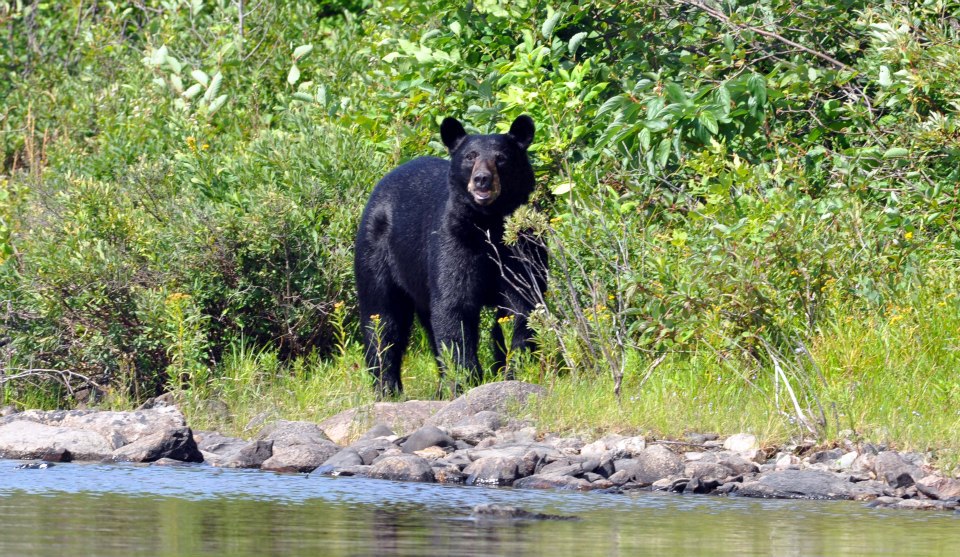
(751, 210)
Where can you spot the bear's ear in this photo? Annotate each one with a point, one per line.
(452, 133)
(522, 130)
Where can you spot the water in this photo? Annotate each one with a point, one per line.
(128, 510)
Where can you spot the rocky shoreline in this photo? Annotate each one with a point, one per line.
(471, 441)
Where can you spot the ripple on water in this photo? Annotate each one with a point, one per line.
(159, 510)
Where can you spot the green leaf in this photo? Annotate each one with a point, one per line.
(216, 104)
(757, 86)
(562, 188)
(455, 27)
(896, 153)
(193, 90)
(302, 51)
(214, 87)
(174, 64)
(709, 120)
(663, 152)
(201, 77)
(885, 80)
(294, 75)
(575, 41)
(304, 97)
(549, 24)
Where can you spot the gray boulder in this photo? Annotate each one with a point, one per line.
(403, 468)
(649, 465)
(370, 449)
(426, 436)
(379, 430)
(798, 484)
(249, 455)
(476, 428)
(498, 397)
(301, 457)
(896, 470)
(401, 417)
(122, 428)
(550, 481)
(173, 444)
(25, 439)
(297, 446)
(344, 458)
(493, 470)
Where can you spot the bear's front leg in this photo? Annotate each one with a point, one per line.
(456, 329)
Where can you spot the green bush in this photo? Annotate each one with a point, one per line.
(180, 181)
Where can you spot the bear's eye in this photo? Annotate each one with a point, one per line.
(471, 156)
(501, 158)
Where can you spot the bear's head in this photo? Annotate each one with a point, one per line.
(492, 172)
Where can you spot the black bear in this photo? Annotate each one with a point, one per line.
(430, 243)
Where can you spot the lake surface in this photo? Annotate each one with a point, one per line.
(128, 510)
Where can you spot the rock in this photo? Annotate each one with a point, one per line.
(539, 481)
(786, 461)
(297, 446)
(168, 462)
(401, 417)
(284, 434)
(8, 410)
(829, 457)
(925, 505)
(651, 464)
(426, 436)
(596, 449)
(884, 502)
(493, 470)
(370, 449)
(869, 490)
(894, 469)
(348, 471)
(513, 449)
(736, 463)
(845, 462)
(404, 468)
(939, 488)
(29, 440)
(476, 428)
(446, 473)
(301, 457)
(570, 466)
(214, 442)
(798, 484)
(741, 443)
(630, 446)
(250, 454)
(505, 512)
(232, 452)
(175, 444)
(497, 397)
(122, 428)
(707, 471)
(432, 453)
(344, 458)
(379, 430)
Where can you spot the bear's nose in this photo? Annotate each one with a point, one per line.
(482, 180)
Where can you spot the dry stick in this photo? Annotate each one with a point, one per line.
(778, 375)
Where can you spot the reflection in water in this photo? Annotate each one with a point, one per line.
(158, 511)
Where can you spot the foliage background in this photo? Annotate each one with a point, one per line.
(750, 201)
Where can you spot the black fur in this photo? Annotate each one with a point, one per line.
(431, 243)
